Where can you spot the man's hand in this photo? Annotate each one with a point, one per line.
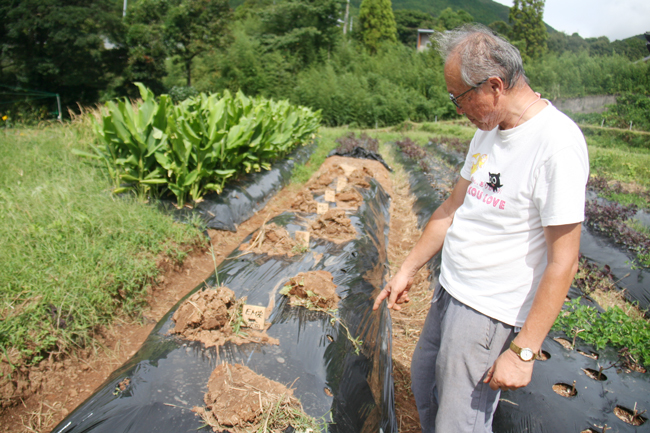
(396, 291)
(509, 372)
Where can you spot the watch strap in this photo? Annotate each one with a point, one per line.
(518, 350)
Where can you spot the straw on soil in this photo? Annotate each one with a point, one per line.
(242, 401)
(273, 240)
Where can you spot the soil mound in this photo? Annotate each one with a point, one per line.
(359, 177)
(325, 179)
(213, 317)
(334, 226)
(313, 290)
(305, 202)
(349, 198)
(272, 240)
(243, 401)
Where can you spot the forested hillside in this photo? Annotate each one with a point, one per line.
(358, 64)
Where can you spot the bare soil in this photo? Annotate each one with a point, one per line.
(356, 171)
(335, 226)
(241, 400)
(304, 202)
(349, 198)
(565, 390)
(630, 416)
(408, 321)
(46, 393)
(272, 240)
(208, 315)
(313, 289)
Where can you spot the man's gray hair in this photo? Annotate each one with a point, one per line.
(483, 54)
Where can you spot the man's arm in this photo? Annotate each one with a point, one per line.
(427, 246)
(563, 243)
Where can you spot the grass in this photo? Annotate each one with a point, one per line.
(622, 163)
(463, 130)
(325, 143)
(73, 255)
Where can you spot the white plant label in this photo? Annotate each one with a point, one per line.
(348, 169)
(330, 195)
(322, 208)
(341, 183)
(254, 316)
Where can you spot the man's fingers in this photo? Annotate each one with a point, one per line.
(488, 375)
(382, 295)
(392, 299)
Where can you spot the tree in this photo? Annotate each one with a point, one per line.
(408, 22)
(301, 28)
(450, 19)
(501, 27)
(70, 47)
(377, 23)
(145, 39)
(193, 27)
(527, 20)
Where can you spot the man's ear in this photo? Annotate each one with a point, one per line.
(497, 86)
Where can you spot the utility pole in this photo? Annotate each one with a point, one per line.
(345, 20)
(58, 103)
(124, 10)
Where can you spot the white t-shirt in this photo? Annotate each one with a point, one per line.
(522, 179)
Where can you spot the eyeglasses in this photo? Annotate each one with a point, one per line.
(455, 99)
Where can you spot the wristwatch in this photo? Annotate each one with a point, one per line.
(525, 354)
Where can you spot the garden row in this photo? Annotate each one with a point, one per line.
(193, 148)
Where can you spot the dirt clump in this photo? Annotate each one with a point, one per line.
(313, 290)
(273, 240)
(305, 202)
(359, 177)
(213, 317)
(325, 179)
(334, 226)
(242, 401)
(349, 198)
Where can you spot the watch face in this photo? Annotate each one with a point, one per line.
(526, 354)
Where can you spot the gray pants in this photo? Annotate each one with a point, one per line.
(457, 347)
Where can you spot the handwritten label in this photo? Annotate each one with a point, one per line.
(348, 169)
(254, 316)
(302, 238)
(341, 183)
(322, 208)
(329, 195)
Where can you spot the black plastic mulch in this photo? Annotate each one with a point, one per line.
(168, 375)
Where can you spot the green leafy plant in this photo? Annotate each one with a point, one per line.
(611, 327)
(193, 148)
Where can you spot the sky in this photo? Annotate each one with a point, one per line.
(616, 19)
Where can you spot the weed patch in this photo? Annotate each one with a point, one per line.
(72, 255)
(612, 327)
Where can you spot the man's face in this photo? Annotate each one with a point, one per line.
(477, 104)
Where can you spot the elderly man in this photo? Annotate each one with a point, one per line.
(509, 234)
